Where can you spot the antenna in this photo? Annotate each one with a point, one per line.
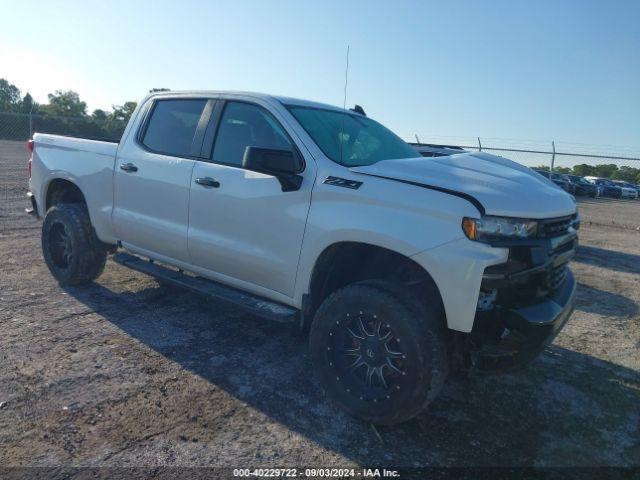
(344, 104)
(346, 81)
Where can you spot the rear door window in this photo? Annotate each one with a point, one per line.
(172, 126)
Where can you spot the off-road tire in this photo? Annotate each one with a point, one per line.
(88, 256)
(419, 332)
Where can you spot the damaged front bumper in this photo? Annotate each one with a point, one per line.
(515, 336)
(524, 303)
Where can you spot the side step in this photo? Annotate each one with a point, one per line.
(254, 304)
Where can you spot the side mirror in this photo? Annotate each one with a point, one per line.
(282, 164)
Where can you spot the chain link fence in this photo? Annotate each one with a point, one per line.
(13, 185)
(559, 155)
(15, 130)
(606, 161)
(609, 161)
(21, 126)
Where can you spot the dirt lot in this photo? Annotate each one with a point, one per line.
(128, 372)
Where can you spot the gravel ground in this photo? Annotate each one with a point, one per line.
(126, 372)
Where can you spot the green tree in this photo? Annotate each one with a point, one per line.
(28, 105)
(606, 171)
(584, 170)
(628, 174)
(100, 115)
(123, 113)
(65, 103)
(9, 96)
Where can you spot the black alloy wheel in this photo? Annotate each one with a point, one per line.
(376, 354)
(60, 246)
(369, 353)
(70, 247)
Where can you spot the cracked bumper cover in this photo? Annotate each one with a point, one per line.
(521, 333)
(527, 300)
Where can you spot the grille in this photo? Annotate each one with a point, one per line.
(557, 276)
(554, 227)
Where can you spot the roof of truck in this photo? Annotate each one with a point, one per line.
(281, 99)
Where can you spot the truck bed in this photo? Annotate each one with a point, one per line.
(103, 147)
(88, 164)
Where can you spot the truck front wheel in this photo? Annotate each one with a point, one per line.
(71, 250)
(376, 354)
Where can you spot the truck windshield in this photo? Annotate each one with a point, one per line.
(350, 139)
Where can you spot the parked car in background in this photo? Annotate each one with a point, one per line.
(565, 178)
(433, 150)
(583, 187)
(628, 190)
(558, 179)
(606, 187)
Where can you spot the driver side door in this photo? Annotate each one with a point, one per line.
(243, 229)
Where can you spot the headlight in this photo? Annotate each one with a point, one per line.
(490, 228)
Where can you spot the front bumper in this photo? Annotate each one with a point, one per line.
(524, 303)
(512, 337)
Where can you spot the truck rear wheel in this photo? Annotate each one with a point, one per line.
(71, 250)
(376, 354)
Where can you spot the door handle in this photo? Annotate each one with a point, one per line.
(128, 167)
(207, 182)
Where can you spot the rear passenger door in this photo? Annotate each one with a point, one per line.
(152, 177)
(242, 227)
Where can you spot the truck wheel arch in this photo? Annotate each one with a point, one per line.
(343, 263)
(61, 190)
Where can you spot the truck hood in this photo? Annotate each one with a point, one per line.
(501, 186)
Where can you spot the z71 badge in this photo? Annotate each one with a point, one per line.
(342, 182)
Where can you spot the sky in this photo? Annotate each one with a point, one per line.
(564, 70)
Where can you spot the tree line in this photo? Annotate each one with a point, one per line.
(64, 113)
(609, 170)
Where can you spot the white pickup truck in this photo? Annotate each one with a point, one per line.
(399, 268)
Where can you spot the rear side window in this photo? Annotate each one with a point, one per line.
(244, 125)
(172, 126)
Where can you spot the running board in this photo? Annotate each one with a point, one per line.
(254, 304)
